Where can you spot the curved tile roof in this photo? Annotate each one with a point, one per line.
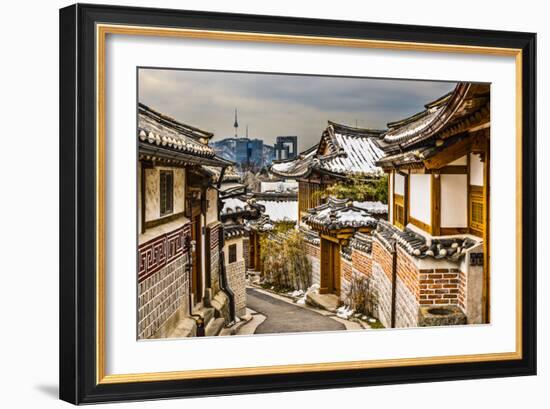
(160, 130)
(337, 214)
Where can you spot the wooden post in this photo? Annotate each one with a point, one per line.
(435, 229)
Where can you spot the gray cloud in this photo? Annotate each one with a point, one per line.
(276, 104)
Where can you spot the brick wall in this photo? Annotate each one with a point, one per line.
(314, 255)
(407, 291)
(345, 277)
(361, 262)
(236, 279)
(163, 286)
(381, 280)
(439, 286)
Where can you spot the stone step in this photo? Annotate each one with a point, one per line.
(329, 302)
(185, 328)
(214, 327)
(207, 313)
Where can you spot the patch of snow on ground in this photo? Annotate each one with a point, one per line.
(314, 289)
(344, 312)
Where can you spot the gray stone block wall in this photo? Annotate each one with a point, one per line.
(382, 286)
(162, 295)
(406, 306)
(236, 279)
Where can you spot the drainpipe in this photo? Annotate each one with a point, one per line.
(224, 286)
(197, 317)
(393, 284)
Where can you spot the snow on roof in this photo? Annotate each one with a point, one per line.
(281, 210)
(295, 167)
(358, 155)
(233, 205)
(372, 207)
(157, 129)
(278, 186)
(337, 214)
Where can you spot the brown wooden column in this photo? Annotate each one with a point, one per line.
(436, 204)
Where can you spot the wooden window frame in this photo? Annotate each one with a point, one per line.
(232, 253)
(476, 197)
(166, 192)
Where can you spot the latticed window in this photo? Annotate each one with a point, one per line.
(399, 210)
(166, 192)
(477, 210)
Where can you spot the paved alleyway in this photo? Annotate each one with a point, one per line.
(285, 317)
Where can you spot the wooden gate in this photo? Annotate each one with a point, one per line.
(330, 267)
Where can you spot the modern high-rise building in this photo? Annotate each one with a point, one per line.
(286, 147)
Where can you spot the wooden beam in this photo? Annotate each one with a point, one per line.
(453, 170)
(450, 154)
(436, 204)
(419, 224)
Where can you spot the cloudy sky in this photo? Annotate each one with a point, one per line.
(273, 105)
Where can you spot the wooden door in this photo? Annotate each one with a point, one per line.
(196, 271)
(330, 267)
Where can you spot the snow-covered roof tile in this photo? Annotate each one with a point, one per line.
(337, 214)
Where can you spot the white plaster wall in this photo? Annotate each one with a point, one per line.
(239, 242)
(454, 201)
(476, 170)
(462, 161)
(152, 195)
(420, 197)
(390, 197)
(212, 211)
(399, 184)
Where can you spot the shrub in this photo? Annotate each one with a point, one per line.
(361, 296)
(285, 261)
(358, 189)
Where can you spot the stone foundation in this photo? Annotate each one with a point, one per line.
(236, 279)
(163, 298)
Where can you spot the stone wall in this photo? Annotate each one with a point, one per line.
(163, 283)
(381, 280)
(213, 231)
(406, 305)
(236, 279)
(345, 278)
(406, 291)
(418, 283)
(314, 255)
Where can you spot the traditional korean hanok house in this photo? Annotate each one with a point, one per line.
(433, 253)
(237, 209)
(336, 221)
(343, 152)
(179, 228)
(258, 228)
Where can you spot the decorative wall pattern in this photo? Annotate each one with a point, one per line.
(160, 251)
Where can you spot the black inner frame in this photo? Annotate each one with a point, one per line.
(78, 198)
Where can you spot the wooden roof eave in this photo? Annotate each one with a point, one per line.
(163, 153)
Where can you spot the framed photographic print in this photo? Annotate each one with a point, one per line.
(257, 203)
